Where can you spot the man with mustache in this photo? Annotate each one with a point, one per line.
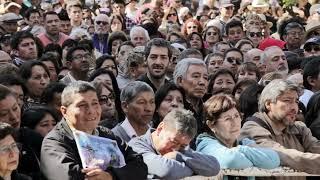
(275, 126)
(274, 59)
(158, 54)
(52, 27)
(293, 36)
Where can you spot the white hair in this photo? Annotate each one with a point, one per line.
(136, 29)
(183, 66)
(79, 32)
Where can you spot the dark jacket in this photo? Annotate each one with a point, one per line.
(60, 159)
(17, 176)
(103, 47)
(144, 78)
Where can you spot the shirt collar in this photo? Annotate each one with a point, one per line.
(128, 128)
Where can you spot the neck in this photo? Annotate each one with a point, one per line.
(194, 102)
(76, 23)
(276, 123)
(291, 47)
(156, 82)
(6, 175)
(140, 129)
(53, 37)
(79, 76)
(224, 18)
(83, 130)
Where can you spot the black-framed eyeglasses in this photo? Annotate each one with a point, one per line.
(82, 56)
(233, 60)
(104, 99)
(172, 14)
(102, 22)
(312, 47)
(258, 34)
(15, 147)
(212, 33)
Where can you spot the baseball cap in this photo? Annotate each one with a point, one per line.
(268, 42)
(314, 8)
(226, 3)
(313, 40)
(10, 17)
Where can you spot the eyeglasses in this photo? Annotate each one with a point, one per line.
(258, 34)
(233, 60)
(81, 57)
(194, 27)
(102, 22)
(104, 99)
(173, 14)
(212, 33)
(9, 148)
(229, 8)
(310, 48)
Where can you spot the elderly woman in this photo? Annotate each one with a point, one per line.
(211, 35)
(223, 122)
(9, 154)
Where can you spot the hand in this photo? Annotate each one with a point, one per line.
(96, 174)
(171, 155)
(248, 142)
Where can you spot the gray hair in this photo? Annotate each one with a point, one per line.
(134, 59)
(183, 66)
(273, 90)
(181, 120)
(139, 28)
(74, 88)
(266, 54)
(132, 90)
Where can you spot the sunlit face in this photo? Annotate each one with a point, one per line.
(245, 48)
(51, 24)
(235, 34)
(232, 61)
(116, 25)
(9, 154)
(255, 35)
(75, 14)
(172, 100)
(45, 125)
(227, 11)
(104, 79)
(172, 16)
(214, 64)
(276, 61)
(34, 19)
(224, 82)
(195, 41)
(27, 49)
(115, 45)
(191, 27)
(139, 38)
(212, 35)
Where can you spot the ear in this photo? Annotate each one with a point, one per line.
(15, 52)
(267, 104)
(159, 128)
(124, 106)
(210, 124)
(63, 111)
(179, 81)
(311, 81)
(68, 63)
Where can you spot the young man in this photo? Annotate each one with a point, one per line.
(234, 31)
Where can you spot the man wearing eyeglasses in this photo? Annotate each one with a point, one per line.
(312, 47)
(293, 36)
(100, 37)
(78, 59)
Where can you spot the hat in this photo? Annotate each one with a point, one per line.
(314, 8)
(178, 46)
(312, 25)
(216, 23)
(12, 4)
(313, 40)
(226, 3)
(263, 18)
(268, 42)
(10, 17)
(259, 3)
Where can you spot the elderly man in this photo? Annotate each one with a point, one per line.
(158, 54)
(192, 75)
(275, 126)
(59, 154)
(293, 36)
(9, 22)
(165, 150)
(274, 59)
(253, 55)
(100, 37)
(52, 34)
(139, 36)
(137, 102)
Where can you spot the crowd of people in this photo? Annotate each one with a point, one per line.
(183, 87)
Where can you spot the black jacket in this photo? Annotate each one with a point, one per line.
(60, 159)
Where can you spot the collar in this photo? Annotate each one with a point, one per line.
(18, 61)
(66, 126)
(128, 128)
(71, 77)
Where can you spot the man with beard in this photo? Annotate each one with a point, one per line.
(274, 59)
(100, 37)
(78, 63)
(158, 54)
(293, 36)
(275, 126)
(52, 34)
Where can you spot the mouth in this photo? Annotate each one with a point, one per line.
(92, 119)
(15, 124)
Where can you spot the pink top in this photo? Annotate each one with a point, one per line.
(45, 40)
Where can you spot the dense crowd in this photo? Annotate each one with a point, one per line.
(182, 87)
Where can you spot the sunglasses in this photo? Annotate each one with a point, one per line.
(310, 48)
(258, 34)
(173, 14)
(233, 60)
(229, 8)
(194, 27)
(314, 33)
(212, 33)
(101, 22)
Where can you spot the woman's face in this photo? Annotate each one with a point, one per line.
(247, 75)
(114, 46)
(9, 154)
(239, 91)
(106, 100)
(52, 70)
(116, 25)
(245, 48)
(173, 100)
(224, 82)
(38, 81)
(109, 65)
(212, 36)
(46, 124)
(191, 27)
(214, 64)
(195, 41)
(172, 16)
(104, 79)
(227, 127)
(255, 35)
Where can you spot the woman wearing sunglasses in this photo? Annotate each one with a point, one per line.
(254, 33)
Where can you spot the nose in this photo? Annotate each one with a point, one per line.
(13, 117)
(174, 103)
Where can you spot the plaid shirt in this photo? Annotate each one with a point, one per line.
(129, 23)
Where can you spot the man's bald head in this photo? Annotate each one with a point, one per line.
(4, 57)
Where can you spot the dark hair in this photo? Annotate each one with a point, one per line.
(69, 56)
(174, 33)
(161, 93)
(158, 42)
(13, 80)
(49, 13)
(244, 82)
(33, 115)
(48, 93)
(213, 77)
(18, 37)
(52, 47)
(313, 111)
(120, 18)
(115, 36)
(202, 44)
(248, 101)
(52, 58)
(126, 43)
(25, 69)
(88, 44)
(4, 92)
(233, 23)
(295, 22)
(69, 43)
(104, 58)
(249, 66)
(6, 130)
(63, 15)
(232, 49)
(311, 69)
(187, 52)
(30, 11)
(115, 87)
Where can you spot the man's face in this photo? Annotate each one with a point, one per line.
(277, 61)
(235, 34)
(10, 111)
(138, 38)
(18, 93)
(80, 61)
(118, 9)
(254, 56)
(195, 83)
(227, 11)
(294, 37)
(123, 54)
(75, 14)
(312, 50)
(101, 25)
(232, 61)
(27, 49)
(140, 110)
(65, 27)
(170, 140)
(51, 24)
(285, 109)
(158, 62)
(34, 19)
(84, 113)
(10, 27)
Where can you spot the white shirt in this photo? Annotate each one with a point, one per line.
(128, 128)
(305, 97)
